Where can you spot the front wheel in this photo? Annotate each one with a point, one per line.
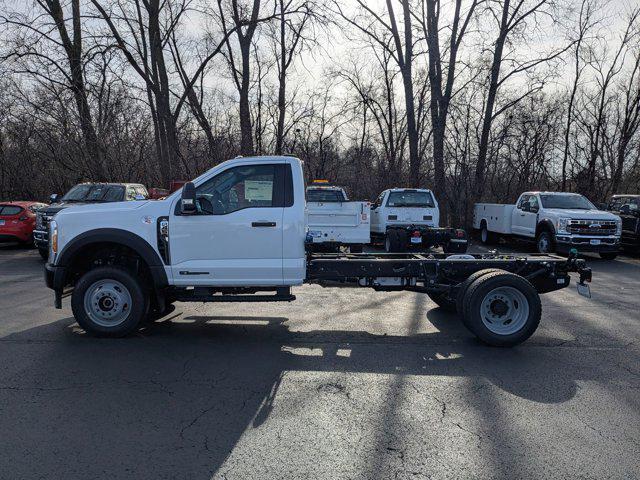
(544, 242)
(608, 255)
(109, 302)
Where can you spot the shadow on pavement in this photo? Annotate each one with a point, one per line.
(174, 400)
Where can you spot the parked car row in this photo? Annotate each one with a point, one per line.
(399, 219)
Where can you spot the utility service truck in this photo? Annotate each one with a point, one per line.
(237, 234)
(409, 217)
(557, 222)
(333, 221)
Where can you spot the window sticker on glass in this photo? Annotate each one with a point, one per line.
(258, 190)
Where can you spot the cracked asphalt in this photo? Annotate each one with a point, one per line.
(341, 384)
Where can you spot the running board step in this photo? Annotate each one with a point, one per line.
(204, 294)
(235, 298)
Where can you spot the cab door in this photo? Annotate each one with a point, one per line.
(236, 235)
(525, 216)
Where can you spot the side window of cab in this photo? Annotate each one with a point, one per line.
(241, 187)
(524, 199)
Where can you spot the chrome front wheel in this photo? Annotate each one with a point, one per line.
(107, 302)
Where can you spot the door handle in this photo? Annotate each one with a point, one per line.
(263, 224)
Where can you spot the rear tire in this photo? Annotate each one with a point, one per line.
(109, 302)
(502, 309)
(487, 237)
(44, 253)
(608, 255)
(464, 286)
(392, 242)
(403, 240)
(443, 301)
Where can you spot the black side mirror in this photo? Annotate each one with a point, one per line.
(188, 199)
(625, 210)
(53, 198)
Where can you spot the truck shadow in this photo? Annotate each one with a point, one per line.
(174, 400)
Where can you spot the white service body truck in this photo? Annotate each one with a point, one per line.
(410, 217)
(334, 221)
(557, 222)
(237, 234)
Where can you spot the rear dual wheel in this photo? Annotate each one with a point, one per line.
(396, 241)
(502, 309)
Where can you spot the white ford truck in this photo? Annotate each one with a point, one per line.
(237, 234)
(410, 217)
(557, 222)
(334, 221)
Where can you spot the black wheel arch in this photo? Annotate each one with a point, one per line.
(112, 236)
(545, 225)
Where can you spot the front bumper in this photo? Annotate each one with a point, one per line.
(54, 279)
(583, 243)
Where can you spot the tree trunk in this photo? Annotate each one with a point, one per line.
(487, 120)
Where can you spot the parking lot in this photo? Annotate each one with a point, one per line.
(342, 383)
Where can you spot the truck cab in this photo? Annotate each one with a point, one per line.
(409, 217)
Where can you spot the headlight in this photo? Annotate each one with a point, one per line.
(53, 241)
(619, 227)
(561, 225)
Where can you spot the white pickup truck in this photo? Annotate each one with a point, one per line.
(557, 222)
(334, 221)
(410, 217)
(237, 234)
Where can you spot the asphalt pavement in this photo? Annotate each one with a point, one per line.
(340, 384)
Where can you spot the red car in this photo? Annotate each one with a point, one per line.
(17, 220)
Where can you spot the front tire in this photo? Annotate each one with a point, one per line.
(608, 255)
(109, 302)
(502, 309)
(544, 242)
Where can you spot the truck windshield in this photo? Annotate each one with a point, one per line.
(95, 193)
(576, 202)
(325, 195)
(410, 198)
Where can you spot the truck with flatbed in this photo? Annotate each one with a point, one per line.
(555, 221)
(333, 221)
(237, 234)
(405, 218)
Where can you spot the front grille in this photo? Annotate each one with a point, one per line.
(42, 221)
(592, 227)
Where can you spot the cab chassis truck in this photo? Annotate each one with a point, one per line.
(122, 264)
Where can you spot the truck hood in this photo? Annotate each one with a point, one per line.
(579, 214)
(98, 207)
